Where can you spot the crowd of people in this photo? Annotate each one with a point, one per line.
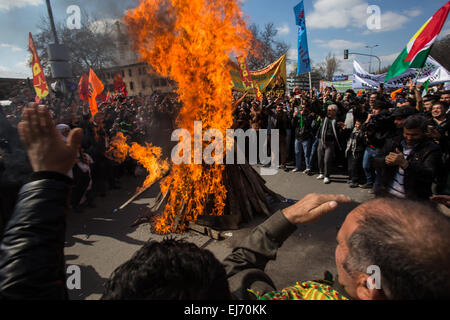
(396, 144)
(387, 233)
(140, 119)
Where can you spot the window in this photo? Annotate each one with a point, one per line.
(130, 73)
(123, 74)
(143, 84)
(131, 85)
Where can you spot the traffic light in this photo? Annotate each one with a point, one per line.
(345, 54)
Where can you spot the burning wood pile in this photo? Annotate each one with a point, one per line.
(191, 42)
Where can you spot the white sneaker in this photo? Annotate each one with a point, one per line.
(326, 181)
(320, 177)
(295, 170)
(307, 171)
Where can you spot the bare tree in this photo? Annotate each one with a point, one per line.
(440, 51)
(383, 70)
(266, 49)
(329, 66)
(91, 46)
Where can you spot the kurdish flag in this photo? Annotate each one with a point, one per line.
(418, 48)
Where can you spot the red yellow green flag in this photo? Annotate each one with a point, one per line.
(95, 88)
(245, 73)
(39, 82)
(418, 48)
(259, 94)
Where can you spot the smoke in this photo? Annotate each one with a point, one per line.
(102, 9)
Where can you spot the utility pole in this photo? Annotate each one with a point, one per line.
(370, 63)
(52, 22)
(346, 53)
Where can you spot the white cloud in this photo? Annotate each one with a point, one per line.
(10, 46)
(389, 59)
(22, 65)
(104, 25)
(6, 5)
(283, 30)
(292, 54)
(16, 74)
(392, 21)
(413, 13)
(341, 44)
(444, 33)
(353, 13)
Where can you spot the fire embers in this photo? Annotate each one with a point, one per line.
(191, 41)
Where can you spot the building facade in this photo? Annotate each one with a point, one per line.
(139, 77)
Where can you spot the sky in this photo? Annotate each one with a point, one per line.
(332, 26)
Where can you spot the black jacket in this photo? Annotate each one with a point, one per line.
(305, 132)
(337, 132)
(32, 250)
(424, 167)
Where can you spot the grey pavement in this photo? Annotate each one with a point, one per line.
(99, 240)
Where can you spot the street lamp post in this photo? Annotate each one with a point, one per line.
(52, 22)
(370, 61)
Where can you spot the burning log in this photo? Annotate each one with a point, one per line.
(137, 194)
(141, 191)
(247, 196)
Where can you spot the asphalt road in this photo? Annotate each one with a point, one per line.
(99, 240)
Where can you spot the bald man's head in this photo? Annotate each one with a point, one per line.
(408, 241)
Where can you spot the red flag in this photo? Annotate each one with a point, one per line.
(394, 94)
(119, 85)
(245, 73)
(83, 87)
(259, 94)
(39, 82)
(95, 88)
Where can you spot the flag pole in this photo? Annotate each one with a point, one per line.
(310, 87)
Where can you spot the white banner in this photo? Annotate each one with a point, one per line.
(432, 70)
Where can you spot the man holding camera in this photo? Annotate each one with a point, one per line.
(409, 164)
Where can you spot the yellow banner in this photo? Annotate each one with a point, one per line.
(271, 79)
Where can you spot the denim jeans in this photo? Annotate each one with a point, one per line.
(302, 150)
(315, 142)
(369, 172)
(288, 143)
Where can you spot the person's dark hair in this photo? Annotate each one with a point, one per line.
(431, 97)
(379, 104)
(169, 270)
(409, 242)
(351, 92)
(415, 122)
(441, 103)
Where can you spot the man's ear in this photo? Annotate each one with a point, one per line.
(364, 284)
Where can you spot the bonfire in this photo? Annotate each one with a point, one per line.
(191, 42)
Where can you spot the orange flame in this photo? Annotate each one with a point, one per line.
(118, 148)
(149, 157)
(191, 42)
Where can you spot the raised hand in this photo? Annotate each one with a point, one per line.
(46, 149)
(313, 207)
